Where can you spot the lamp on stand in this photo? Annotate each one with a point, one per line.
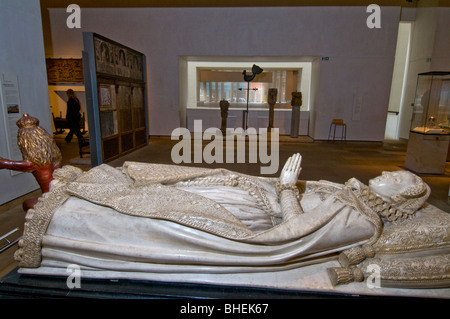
(248, 78)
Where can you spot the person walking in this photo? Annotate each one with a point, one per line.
(73, 116)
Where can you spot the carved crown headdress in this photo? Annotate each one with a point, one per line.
(27, 121)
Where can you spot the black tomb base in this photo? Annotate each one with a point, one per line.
(16, 285)
(178, 300)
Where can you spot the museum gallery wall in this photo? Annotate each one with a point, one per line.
(116, 98)
(21, 59)
(362, 65)
(359, 67)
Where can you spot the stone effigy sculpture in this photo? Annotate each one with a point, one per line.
(167, 222)
(189, 224)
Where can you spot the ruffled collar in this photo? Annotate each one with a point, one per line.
(383, 208)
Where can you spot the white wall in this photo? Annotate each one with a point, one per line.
(22, 54)
(401, 56)
(440, 60)
(359, 67)
(422, 43)
(401, 64)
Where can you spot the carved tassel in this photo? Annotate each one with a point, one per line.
(339, 276)
(355, 255)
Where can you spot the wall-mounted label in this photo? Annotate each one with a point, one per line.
(10, 101)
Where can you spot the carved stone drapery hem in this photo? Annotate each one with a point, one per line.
(38, 218)
(419, 272)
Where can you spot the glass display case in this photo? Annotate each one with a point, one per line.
(432, 104)
(429, 135)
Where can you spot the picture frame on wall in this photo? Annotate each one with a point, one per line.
(121, 63)
(104, 56)
(105, 99)
(135, 63)
(64, 71)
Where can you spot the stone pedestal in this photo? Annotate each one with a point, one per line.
(272, 100)
(296, 102)
(295, 120)
(224, 105)
(427, 153)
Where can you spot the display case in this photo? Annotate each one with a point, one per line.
(432, 104)
(429, 136)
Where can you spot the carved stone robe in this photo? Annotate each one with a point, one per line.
(150, 218)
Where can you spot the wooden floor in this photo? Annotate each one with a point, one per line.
(333, 161)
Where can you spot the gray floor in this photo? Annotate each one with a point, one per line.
(335, 162)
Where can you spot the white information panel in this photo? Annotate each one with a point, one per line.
(10, 104)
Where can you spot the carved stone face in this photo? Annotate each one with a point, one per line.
(392, 183)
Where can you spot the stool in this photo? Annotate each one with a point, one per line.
(335, 123)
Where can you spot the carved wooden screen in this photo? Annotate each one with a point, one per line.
(118, 96)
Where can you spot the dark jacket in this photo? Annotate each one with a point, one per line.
(73, 110)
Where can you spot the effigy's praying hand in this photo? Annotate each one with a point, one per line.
(291, 170)
(287, 189)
